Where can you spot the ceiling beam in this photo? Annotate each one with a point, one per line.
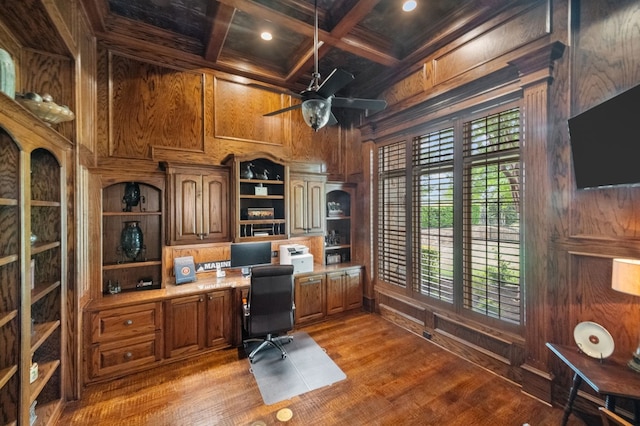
(341, 29)
(357, 47)
(220, 25)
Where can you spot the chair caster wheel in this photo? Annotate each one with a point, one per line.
(284, 356)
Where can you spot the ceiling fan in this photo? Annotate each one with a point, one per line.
(318, 97)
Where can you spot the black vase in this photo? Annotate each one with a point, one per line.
(131, 195)
(131, 240)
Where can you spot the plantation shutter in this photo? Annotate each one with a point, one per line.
(392, 232)
(433, 165)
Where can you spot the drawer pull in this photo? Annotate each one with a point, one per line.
(128, 355)
(128, 322)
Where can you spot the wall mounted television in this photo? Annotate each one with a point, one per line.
(250, 254)
(605, 140)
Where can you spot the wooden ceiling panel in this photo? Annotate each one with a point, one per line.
(371, 39)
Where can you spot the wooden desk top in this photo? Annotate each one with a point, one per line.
(607, 377)
(211, 283)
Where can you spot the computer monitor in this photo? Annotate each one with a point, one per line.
(246, 255)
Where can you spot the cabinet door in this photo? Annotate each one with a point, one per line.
(219, 319)
(184, 325)
(344, 290)
(315, 207)
(188, 223)
(335, 292)
(353, 288)
(309, 298)
(307, 205)
(215, 214)
(298, 215)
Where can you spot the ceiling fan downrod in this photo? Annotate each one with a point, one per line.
(314, 85)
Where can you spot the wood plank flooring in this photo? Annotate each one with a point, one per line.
(393, 378)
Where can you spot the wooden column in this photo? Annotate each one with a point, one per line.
(536, 71)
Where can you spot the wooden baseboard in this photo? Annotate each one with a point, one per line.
(537, 383)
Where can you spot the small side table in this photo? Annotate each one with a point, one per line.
(607, 377)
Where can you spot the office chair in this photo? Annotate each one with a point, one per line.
(609, 418)
(269, 310)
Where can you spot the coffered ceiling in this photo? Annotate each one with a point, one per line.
(373, 39)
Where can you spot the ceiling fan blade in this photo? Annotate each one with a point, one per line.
(280, 111)
(332, 120)
(370, 104)
(274, 90)
(336, 81)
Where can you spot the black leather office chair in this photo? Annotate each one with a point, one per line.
(269, 310)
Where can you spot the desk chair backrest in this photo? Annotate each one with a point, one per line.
(271, 306)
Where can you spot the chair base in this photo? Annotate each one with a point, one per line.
(270, 341)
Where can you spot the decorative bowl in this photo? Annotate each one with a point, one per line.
(48, 111)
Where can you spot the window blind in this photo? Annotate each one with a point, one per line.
(392, 230)
(433, 165)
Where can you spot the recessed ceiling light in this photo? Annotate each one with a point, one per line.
(266, 35)
(409, 5)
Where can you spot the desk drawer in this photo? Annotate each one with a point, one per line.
(117, 358)
(119, 323)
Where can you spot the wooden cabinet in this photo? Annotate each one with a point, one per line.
(124, 339)
(199, 204)
(197, 322)
(344, 290)
(309, 298)
(340, 207)
(33, 266)
(307, 204)
(260, 197)
(320, 295)
(131, 203)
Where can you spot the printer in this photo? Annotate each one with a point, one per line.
(297, 255)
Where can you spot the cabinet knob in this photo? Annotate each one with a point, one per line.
(128, 355)
(128, 322)
(201, 299)
(210, 297)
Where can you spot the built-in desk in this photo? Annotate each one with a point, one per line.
(609, 377)
(136, 330)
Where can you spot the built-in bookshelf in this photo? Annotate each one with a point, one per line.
(339, 229)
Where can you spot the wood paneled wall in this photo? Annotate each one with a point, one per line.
(593, 226)
(150, 111)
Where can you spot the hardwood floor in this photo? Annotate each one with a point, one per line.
(393, 378)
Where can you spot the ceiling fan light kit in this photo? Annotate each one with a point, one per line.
(316, 112)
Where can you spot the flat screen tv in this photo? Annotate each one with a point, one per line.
(250, 254)
(605, 140)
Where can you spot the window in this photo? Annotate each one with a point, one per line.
(492, 215)
(433, 242)
(462, 216)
